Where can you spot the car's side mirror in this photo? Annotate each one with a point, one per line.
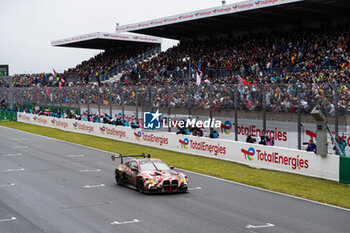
(113, 157)
(171, 167)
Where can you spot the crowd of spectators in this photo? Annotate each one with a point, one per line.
(96, 66)
(103, 63)
(34, 80)
(270, 66)
(309, 56)
(218, 97)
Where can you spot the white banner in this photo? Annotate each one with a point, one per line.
(253, 155)
(283, 133)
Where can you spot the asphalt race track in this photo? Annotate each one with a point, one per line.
(48, 185)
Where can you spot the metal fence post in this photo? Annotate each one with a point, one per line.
(123, 104)
(336, 116)
(88, 100)
(264, 110)
(299, 117)
(110, 102)
(69, 99)
(11, 91)
(152, 100)
(169, 93)
(211, 104)
(38, 96)
(236, 112)
(78, 101)
(61, 101)
(137, 105)
(99, 102)
(189, 101)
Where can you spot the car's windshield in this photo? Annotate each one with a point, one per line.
(161, 166)
(149, 165)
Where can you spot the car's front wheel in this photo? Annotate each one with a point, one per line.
(118, 179)
(140, 186)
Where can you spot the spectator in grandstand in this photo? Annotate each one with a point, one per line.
(341, 144)
(311, 146)
(197, 132)
(213, 133)
(267, 141)
(134, 125)
(183, 130)
(125, 123)
(250, 139)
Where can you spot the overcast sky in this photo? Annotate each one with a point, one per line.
(27, 27)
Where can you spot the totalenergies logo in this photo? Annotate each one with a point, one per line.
(196, 14)
(235, 7)
(215, 10)
(249, 154)
(257, 3)
(103, 129)
(184, 143)
(53, 121)
(106, 35)
(225, 128)
(75, 125)
(138, 135)
(20, 115)
(35, 117)
(313, 136)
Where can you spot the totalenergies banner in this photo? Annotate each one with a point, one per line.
(283, 133)
(253, 155)
(210, 12)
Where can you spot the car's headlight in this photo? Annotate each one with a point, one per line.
(152, 181)
(184, 179)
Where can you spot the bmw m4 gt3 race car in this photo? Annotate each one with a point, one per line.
(149, 175)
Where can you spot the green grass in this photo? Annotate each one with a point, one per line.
(306, 187)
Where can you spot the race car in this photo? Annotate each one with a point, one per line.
(149, 175)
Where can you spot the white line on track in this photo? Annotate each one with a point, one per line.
(94, 186)
(196, 188)
(6, 185)
(7, 220)
(262, 226)
(13, 170)
(208, 176)
(12, 155)
(126, 222)
(93, 170)
(18, 139)
(20, 147)
(75, 156)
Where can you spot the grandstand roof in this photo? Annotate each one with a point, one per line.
(103, 40)
(244, 16)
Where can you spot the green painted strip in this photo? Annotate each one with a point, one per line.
(344, 170)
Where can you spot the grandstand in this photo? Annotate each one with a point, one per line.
(121, 51)
(249, 29)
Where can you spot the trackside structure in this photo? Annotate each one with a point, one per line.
(330, 167)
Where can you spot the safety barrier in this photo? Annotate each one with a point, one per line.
(253, 155)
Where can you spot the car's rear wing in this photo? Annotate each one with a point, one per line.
(113, 157)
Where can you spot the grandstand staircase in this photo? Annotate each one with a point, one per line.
(116, 73)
